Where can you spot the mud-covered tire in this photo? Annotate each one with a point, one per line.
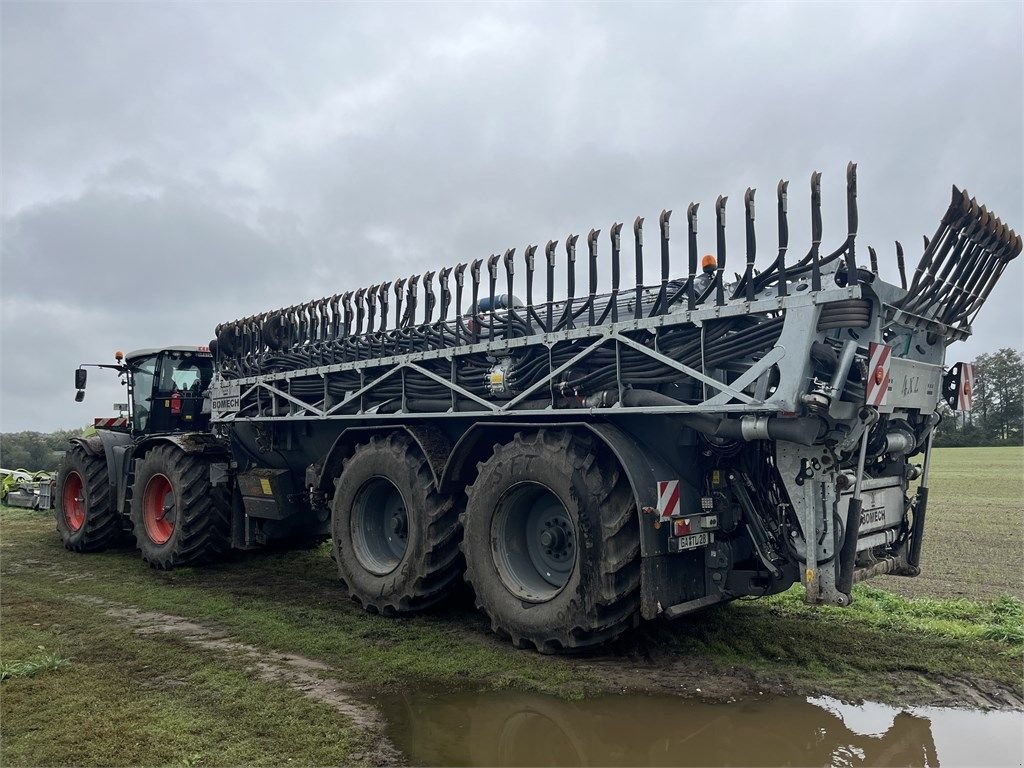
(201, 525)
(600, 597)
(431, 563)
(86, 517)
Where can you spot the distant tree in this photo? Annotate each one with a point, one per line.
(34, 451)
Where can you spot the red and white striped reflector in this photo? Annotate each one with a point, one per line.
(879, 357)
(119, 421)
(668, 498)
(965, 397)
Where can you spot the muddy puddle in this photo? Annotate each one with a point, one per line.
(506, 729)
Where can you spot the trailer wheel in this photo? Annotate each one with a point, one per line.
(178, 516)
(86, 518)
(552, 542)
(395, 538)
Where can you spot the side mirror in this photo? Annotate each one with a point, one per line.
(80, 375)
(79, 395)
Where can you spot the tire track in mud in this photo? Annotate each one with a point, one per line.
(307, 677)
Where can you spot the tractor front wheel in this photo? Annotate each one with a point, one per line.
(178, 516)
(86, 518)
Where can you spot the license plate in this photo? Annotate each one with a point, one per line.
(692, 541)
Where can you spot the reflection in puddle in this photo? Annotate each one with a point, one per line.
(534, 730)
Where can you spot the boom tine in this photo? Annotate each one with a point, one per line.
(782, 193)
(371, 308)
(446, 293)
(815, 231)
(335, 319)
(492, 272)
(616, 266)
(720, 236)
(529, 256)
(851, 219)
(510, 271)
(460, 279)
(346, 300)
(410, 310)
(901, 264)
(592, 256)
(748, 210)
(382, 296)
(399, 289)
(638, 247)
(474, 273)
(549, 254)
(429, 299)
(666, 267)
(874, 260)
(691, 226)
(360, 311)
(570, 253)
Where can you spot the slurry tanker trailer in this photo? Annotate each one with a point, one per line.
(583, 457)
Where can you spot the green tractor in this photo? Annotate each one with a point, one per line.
(156, 471)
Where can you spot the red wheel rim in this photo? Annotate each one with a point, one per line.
(73, 501)
(158, 510)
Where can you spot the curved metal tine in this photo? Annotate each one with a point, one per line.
(411, 301)
(616, 238)
(399, 289)
(510, 271)
(663, 223)
(460, 279)
(570, 275)
(901, 265)
(948, 246)
(335, 325)
(371, 308)
(782, 195)
(815, 231)
(325, 319)
(638, 250)
(474, 273)
(751, 239)
(720, 238)
(383, 292)
(346, 302)
(529, 256)
(691, 248)
(851, 219)
(492, 274)
(549, 255)
(874, 260)
(360, 310)
(981, 262)
(592, 274)
(429, 299)
(961, 206)
(446, 293)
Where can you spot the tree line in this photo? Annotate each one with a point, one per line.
(997, 418)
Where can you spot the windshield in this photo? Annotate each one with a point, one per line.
(185, 373)
(142, 389)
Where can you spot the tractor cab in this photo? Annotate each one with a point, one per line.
(165, 390)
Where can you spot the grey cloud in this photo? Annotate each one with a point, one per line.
(274, 153)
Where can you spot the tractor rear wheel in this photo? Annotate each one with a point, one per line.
(178, 516)
(396, 539)
(86, 518)
(552, 542)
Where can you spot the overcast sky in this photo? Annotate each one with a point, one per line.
(167, 167)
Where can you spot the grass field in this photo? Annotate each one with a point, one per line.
(260, 660)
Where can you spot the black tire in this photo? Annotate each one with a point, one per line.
(397, 581)
(84, 509)
(599, 598)
(200, 522)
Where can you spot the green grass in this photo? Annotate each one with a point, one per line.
(80, 686)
